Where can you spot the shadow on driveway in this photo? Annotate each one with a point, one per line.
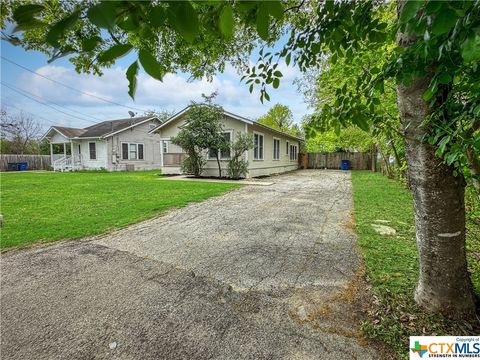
(262, 272)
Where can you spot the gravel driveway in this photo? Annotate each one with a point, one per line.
(262, 272)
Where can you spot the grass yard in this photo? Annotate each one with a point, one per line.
(42, 207)
(392, 263)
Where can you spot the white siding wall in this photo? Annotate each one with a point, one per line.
(58, 138)
(101, 160)
(138, 135)
(267, 166)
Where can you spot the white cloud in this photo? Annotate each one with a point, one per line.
(174, 93)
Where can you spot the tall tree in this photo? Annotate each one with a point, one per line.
(439, 219)
(279, 117)
(440, 41)
(348, 139)
(161, 115)
(21, 131)
(203, 131)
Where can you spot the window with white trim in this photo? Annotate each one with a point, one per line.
(224, 154)
(276, 149)
(257, 146)
(93, 150)
(293, 152)
(132, 151)
(287, 148)
(165, 146)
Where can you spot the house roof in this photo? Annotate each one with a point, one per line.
(278, 131)
(68, 131)
(103, 129)
(232, 115)
(112, 126)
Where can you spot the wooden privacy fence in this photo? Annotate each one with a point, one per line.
(358, 160)
(35, 162)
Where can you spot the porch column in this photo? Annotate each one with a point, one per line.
(51, 154)
(71, 151)
(65, 150)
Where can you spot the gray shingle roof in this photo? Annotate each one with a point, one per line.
(70, 132)
(110, 126)
(101, 129)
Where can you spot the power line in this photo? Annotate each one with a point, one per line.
(69, 87)
(28, 112)
(31, 98)
(45, 104)
(54, 103)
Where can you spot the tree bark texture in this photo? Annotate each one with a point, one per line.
(219, 166)
(444, 284)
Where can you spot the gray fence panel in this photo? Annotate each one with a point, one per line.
(358, 160)
(35, 162)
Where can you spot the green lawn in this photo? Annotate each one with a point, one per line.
(392, 263)
(41, 207)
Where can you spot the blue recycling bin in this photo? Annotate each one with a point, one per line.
(22, 166)
(345, 165)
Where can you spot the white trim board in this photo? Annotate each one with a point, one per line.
(180, 113)
(129, 127)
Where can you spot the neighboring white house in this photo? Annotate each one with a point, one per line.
(274, 151)
(124, 144)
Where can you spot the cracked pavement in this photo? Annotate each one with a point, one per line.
(264, 272)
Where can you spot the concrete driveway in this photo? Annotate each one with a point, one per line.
(264, 272)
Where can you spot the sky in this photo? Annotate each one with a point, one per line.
(63, 106)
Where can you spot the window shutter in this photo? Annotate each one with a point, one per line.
(140, 151)
(124, 151)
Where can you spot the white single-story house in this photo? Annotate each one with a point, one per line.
(274, 151)
(124, 144)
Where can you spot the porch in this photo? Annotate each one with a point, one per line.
(65, 156)
(172, 155)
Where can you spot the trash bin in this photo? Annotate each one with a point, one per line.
(12, 167)
(22, 166)
(345, 165)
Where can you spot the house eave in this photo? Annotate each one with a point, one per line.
(183, 111)
(86, 138)
(129, 127)
(279, 132)
(46, 135)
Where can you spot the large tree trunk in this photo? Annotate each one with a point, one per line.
(444, 284)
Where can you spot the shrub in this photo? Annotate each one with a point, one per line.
(203, 130)
(194, 163)
(237, 166)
